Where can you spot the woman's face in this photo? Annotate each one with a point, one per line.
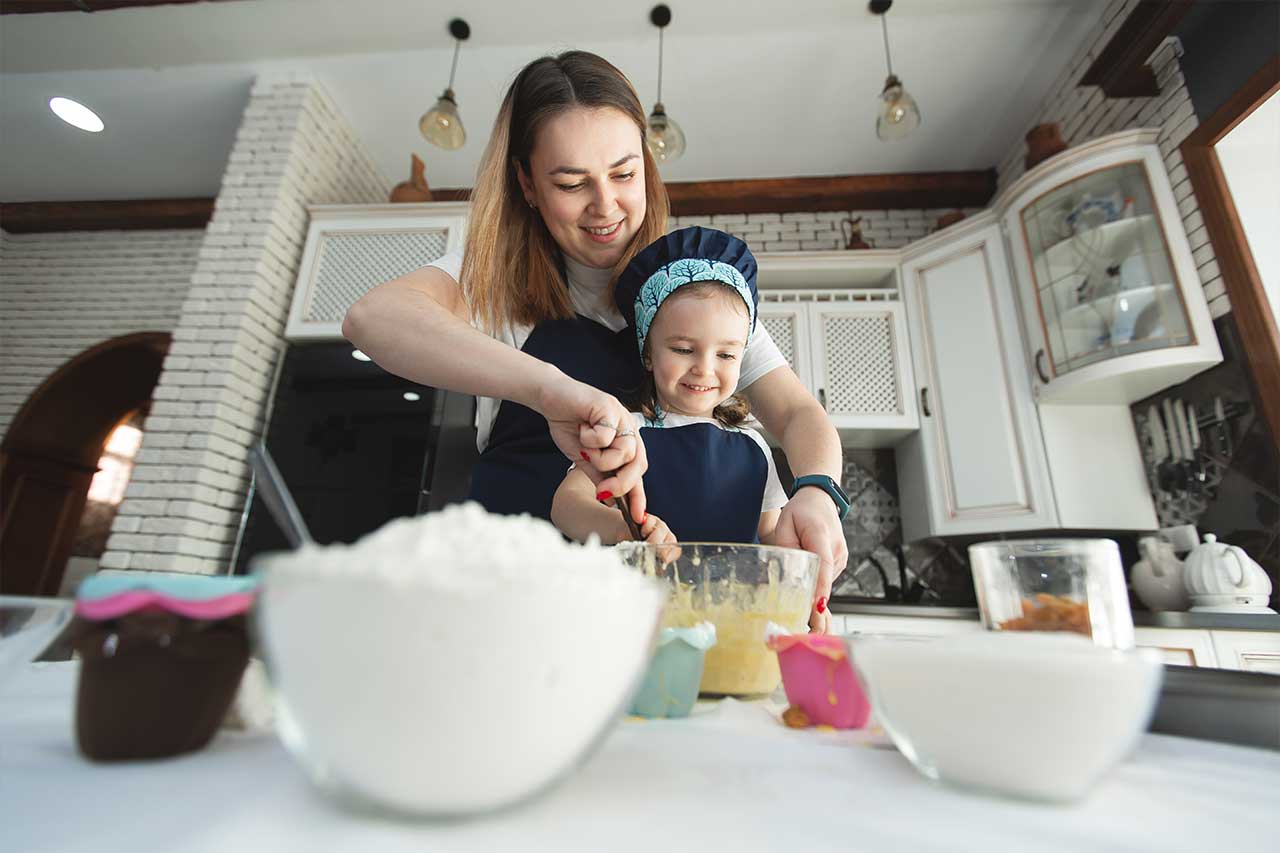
(586, 176)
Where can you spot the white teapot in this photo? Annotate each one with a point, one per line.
(1222, 578)
(1157, 579)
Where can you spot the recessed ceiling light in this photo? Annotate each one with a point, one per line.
(358, 355)
(76, 114)
(412, 396)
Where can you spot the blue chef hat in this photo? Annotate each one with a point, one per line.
(683, 257)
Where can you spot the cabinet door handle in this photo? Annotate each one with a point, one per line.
(1040, 371)
(924, 402)
(822, 397)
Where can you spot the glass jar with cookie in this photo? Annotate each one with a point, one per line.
(1064, 585)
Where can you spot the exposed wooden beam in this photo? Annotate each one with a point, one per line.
(35, 7)
(912, 190)
(1250, 306)
(1121, 67)
(33, 216)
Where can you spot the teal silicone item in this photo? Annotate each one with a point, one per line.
(670, 686)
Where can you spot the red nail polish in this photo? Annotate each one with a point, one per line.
(603, 496)
(585, 457)
(822, 604)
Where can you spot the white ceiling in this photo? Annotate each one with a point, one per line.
(757, 95)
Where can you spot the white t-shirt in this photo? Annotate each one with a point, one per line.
(589, 294)
(775, 497)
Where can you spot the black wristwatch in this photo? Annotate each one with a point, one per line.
(828, 485)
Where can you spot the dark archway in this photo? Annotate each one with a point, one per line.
(51, 451)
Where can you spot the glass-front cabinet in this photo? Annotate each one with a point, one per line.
(1110, 296)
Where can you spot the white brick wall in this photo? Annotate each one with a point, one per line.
(184, 501)
(63, 293)
(793, 232)
(1086, 114)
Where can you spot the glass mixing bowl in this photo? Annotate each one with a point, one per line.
(740, 589)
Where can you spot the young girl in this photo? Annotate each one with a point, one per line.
(690, 299)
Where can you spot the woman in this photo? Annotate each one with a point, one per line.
(566, 194)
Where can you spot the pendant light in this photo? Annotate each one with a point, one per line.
(663, 136)
(441, 124)
(898, 114)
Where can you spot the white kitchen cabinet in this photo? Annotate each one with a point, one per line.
(351, 249)
(1255, 651)
(852, 351)
(1111, 301)
(925, 627)
(1181, 646)
(977, 463)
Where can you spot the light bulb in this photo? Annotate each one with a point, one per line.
(898, 114)
(663, 136)
(441, 124)
(76, 114)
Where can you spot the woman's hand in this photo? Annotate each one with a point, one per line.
(810, 521)
(597, 432)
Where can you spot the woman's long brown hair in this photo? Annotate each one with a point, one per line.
(511, 271)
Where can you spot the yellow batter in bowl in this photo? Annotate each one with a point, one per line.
(740, 589)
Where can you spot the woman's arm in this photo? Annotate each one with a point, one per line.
(810, 519)
(417, 327)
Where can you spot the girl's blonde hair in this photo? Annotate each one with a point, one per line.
(732, 412)
(511, 269)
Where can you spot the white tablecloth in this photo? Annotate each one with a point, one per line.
(729, 779)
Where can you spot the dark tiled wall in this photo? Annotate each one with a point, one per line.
(1232, 489)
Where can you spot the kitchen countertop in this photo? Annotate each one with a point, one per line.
(1141, 618)
(730, 778)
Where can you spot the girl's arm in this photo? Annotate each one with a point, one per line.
(578, 514)
(416, 326)
(768, 523)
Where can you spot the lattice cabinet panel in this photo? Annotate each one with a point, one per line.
(860, 364)
(788, 326)
(850, 349)
(350, 251)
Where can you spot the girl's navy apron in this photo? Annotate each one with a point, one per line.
(706, 483)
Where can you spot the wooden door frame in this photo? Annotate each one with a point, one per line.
(1249, 305)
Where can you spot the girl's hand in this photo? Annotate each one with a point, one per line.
(655, 531)
(810, 521)
(598, 434)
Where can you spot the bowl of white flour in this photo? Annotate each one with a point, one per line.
(454, 663)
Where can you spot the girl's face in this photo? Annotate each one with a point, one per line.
(586, 176)
(695, 350)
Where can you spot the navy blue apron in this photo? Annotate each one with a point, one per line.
(706, 483)
(521, 468)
